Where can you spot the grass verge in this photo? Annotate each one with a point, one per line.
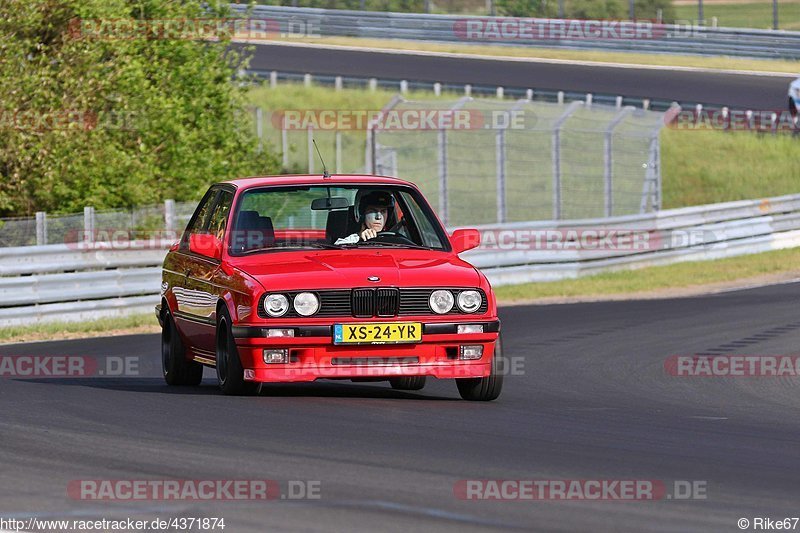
(628, 58)
(125, 325)
(664, 280)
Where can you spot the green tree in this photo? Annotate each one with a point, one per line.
(116, 122)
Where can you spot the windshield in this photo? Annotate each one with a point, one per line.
(340, 217)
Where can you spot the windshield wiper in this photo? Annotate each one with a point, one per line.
(322, 246)
(366, 244)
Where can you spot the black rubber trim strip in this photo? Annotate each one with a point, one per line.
(447, 328)
(255, 332)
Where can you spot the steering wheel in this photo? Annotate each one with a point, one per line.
(393, 237)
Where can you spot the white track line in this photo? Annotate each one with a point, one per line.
(516, 59)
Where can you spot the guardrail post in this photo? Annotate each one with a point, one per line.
(403, 86)
(169, 216)
(373, 84)
(556, 155)
(273, 79)
(41, 228)
(337, 83)
(500, 92)
(437, 89)
(307, 80)
(468, 90)
(88, 225)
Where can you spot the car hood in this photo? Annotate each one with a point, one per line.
(330, 269)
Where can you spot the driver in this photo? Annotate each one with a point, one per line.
(373, 212)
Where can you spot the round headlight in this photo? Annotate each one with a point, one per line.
(306, 303)
(469, 301)
(276, 304)
(441, 301)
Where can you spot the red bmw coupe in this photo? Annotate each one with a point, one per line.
(299, 278)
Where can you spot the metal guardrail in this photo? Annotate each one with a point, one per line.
(67, 283)
(666, 38)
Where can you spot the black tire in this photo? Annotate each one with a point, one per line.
(408, 383)
(177, 370)
(488, 388)
(230, 373)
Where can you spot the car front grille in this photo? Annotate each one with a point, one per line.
(382, 302)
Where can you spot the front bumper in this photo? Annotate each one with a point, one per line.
(313, 355)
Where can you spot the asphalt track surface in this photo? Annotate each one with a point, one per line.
(592, 402)
(739, 91)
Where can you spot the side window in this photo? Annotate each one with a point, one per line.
(199, 220)
(219, 218)
(429, 235)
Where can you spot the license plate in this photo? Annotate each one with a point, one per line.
(383, 333)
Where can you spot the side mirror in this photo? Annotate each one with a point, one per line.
(206, 245)
(465, 239)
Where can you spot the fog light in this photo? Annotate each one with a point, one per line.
(470, 353)
(272, 357)
(280, 333)
(470, 328)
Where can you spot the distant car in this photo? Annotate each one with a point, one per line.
(794, 97)
(257, 289)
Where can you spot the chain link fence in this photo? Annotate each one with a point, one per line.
(526, 160)
(107, 225)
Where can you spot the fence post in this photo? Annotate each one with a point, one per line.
(369, 150)
(338, 152)
(169, 216)
(444, 203)
(41, 228)
(609, 160)
(310, 143)
(500, 157)
(285, 146)
(557, 157)
(442, 150)
(88, 225)
(260, 128)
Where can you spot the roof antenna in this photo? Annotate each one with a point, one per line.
(325, 173)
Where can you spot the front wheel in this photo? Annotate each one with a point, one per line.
(230, 373)
(177, 370)
(488, 388)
